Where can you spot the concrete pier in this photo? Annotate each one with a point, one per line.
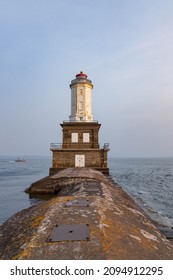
(112, 226)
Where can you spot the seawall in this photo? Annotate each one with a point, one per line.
(90, 217)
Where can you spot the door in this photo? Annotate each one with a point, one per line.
(79, 160)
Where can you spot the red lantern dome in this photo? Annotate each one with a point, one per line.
(81, 75)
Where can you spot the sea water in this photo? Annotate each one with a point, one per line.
(149, 182)
(15, 177)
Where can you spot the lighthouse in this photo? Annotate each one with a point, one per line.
(80, 134)
(81, 99)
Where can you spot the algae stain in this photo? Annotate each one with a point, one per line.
(36, 221)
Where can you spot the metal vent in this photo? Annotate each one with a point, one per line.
(70, 232)
(93, 187)
(78, 202)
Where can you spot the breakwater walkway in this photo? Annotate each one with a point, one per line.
(90, 217)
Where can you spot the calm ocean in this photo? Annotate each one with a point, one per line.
(149, 181)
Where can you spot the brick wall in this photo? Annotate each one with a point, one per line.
(66, 158)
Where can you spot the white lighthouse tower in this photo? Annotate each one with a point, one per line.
(80, 135)
(81, 99)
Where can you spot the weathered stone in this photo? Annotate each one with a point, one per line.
(119, 229)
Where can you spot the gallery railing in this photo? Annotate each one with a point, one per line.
(56, 146)
(80, 121)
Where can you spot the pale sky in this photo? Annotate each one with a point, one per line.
(124, 46)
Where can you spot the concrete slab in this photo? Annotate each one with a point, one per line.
(119, 229)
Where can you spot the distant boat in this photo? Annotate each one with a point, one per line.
(19, 160)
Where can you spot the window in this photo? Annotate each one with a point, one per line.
(81, 98)
(74, 137)
(80, 106)
(86, 137)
